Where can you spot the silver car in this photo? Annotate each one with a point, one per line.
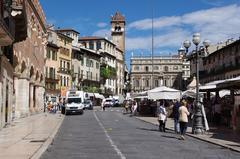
(88, 104)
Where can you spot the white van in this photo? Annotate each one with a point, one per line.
(74, 102)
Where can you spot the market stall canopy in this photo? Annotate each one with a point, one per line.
(222, 93)
(233, 83)
(164, 92)
(211, 85)
(192, 85)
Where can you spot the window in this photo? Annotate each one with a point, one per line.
(166, 68)
(136, 83)
(147, 83)
(51, 73)
(97, 65)
(46, 71)
(87, 74)
(91, 45)
(48, 54)
(88, 63)
(136, 68)
(99, 46)
(156, 83)
(60, 63)
(64, 81)
(68, 65)
(146, 68)
(175, 67)
(156, 68)
(54, 55)
(67, 81)
(91, 63)
(91, 75)
(82, 61)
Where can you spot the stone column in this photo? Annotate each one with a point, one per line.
(39, 94)
(31, 104)
(22, 97)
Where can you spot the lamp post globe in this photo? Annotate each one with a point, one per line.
(186, 44)
(196, 38)
(206, 43)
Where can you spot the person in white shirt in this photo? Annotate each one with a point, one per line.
(162, 117)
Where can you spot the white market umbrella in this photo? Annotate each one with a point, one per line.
(164, 92)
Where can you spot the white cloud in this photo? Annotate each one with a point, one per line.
(102, 25)
(170, 39)
(215, 24)
(158, 23)
(102, 33)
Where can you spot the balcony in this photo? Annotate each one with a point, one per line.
(51, 78)
(13, 28)
(65, 71)
(6, 33)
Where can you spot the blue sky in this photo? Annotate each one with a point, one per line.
(174, 20)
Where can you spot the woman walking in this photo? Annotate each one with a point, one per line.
(183, 118)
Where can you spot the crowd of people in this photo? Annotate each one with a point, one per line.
(180, 113)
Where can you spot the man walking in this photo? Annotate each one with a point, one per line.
(176, 116)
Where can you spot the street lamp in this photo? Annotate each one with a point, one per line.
(198, 117)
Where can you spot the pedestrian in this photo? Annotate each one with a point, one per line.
(135, 105)
(176, 116)
(126, 106)
(162, 117)
(183, 118)
(103, 104)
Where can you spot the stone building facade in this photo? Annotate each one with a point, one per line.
(28, 60)
(221, 64)
(65, 62)
(149, 72)
(113, 54)
(107, 50)
(51, 68)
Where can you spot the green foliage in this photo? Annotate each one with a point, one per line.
(108, 72)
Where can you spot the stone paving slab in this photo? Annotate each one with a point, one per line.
(28, 136)
(208, 136)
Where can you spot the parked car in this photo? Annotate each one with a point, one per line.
(109, 102)
(88, 104)
(116, 103)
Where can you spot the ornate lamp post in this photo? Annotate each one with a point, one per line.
(198, 117)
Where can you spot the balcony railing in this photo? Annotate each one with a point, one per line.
(52, 78)
(65, 71)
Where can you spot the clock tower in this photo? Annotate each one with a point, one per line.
(118, 30)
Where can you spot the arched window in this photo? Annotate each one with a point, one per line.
(166, 68)
(146, 68)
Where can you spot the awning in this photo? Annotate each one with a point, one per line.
(99, 96)
(164, 92)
